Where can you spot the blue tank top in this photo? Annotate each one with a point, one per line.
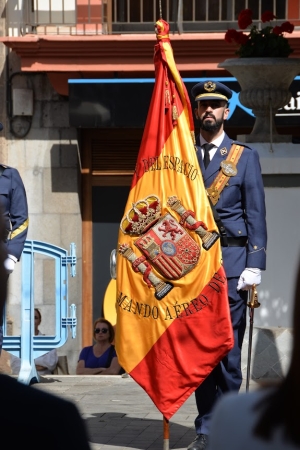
(92, 362)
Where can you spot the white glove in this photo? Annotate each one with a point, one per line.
(9, 263)
(249, 277)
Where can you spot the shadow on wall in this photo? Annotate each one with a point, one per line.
(271, 351)
(64, 168)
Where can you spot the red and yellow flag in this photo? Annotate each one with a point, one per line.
(173, 321)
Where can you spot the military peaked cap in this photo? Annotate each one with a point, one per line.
(211, 90)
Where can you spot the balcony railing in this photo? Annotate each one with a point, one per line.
(92, 17)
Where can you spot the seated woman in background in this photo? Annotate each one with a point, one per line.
(100, 358)
(44, 364)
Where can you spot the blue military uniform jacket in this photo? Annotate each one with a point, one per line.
(241, 208)
(15, 210)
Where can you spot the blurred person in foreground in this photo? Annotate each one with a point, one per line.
(32, 418)
(100, 358)
(267, 418)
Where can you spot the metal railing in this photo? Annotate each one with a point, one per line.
(86, 17)
(27, 346)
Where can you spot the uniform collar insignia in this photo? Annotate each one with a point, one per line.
(223, 151)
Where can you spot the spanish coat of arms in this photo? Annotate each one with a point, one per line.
(163, 241)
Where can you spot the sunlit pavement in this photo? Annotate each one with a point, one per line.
(119, 415)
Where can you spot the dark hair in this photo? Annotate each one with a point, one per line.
(276, 409)
(39, 312)
(110, 328)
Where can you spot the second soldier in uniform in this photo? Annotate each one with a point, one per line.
(232, 177)
(13, 204)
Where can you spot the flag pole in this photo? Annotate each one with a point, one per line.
(160, 9)
(166, 441)
(166, 434)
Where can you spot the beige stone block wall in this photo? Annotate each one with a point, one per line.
(270, 353)
(47, 159)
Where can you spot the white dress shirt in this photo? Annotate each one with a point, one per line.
(217, 142)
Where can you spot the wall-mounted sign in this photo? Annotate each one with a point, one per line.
(119, 103)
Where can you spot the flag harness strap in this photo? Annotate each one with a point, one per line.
(214, 191)
(228, 170)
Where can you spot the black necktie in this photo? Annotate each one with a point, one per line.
(206, 147)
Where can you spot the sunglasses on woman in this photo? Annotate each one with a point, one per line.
(103, 330)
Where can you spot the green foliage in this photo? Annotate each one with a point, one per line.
(264, 43)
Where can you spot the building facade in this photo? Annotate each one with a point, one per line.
(76, 79)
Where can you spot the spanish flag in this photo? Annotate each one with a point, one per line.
(173, 321)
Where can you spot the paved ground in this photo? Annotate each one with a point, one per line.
(119, 415)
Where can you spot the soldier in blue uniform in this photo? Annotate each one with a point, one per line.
(13, 202)
(232, 176)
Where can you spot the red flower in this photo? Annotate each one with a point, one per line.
(242, 38)
(287, 27)
(267, 41)
(267, 16)
(231, 35)
(277, 30)
(245, 18)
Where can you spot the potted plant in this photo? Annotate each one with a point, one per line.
(264, 71)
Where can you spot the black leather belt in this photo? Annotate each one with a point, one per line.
(235, 241)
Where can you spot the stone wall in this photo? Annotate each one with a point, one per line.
(47, 159)
(271, 353)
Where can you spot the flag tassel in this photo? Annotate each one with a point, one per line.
(166, 434)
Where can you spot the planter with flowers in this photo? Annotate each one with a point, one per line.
(264, 71)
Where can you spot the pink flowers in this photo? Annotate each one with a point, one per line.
(266, 42)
